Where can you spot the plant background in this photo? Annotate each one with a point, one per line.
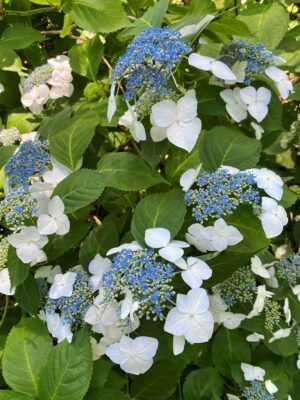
(33, 31)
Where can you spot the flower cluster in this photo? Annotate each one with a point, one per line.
(9, 136)
(220, 193)
(4, 245)
(289, 269)
(257, 391)
(49, 81)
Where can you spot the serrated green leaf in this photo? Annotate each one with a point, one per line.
(67, 373)
(164, 210)
(18, 271)
(26, 351)
(126, 171)
(204, 383)
(228, 146)
(19, 36)
(96, 16)
(85, 58)
(79, 189)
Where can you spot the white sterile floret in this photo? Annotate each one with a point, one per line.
(255, 337)
(258, 130)
(257, 101)
(296, 291)
(112, 104)
(270, 182)
(36, 98)
(231, 320)
(281, 80)
(52, 218)
(58, 328)
(273, 217)
(235, 107)
(62, 285)
(133, 246)
(160, 238)
(259, 303)
(223, 235)
(188, 31)
(218, 68)
(287, 311)
(135, 127)
(191, 317)
(271, 388)
(97, 267)
(29, 243)
(198, 236)
(176, 121)
(178, 344)
(47, 272)
(189, 177)
(5, 283)
(252, 373)
(272, 281)
(217, 306)
(258, 268)
(61, 77)
(280, 334)
(194, 271)
(135, 356)
(97, 349)
(128, 306)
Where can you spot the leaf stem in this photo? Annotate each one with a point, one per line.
(4, 311)
(29, 12)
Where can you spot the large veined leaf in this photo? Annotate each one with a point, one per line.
(11, 395)
(69, 140)
(159, 210)
(18, 271)
(19, 36)
(228, 146)
(97, 16)
(67, 373)
(28, 295)
(5, 153)
(203, 384)
(260, 20)
(126, 171)
(79, 189)
(26, 350)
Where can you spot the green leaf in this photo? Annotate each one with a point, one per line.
(69, 140)
(199, 8)
(58, 245)
(79, 189)
(11, 395)
(165, 210)
(99, 240)
(19, 36)
(228, 146)
(9, 60)
(18, 271)
(85, 58)
(5, 153)
(209, 100)
(294, 306)
(67, 373)
(254, 238)
(101, 371)
(229, 26)
(153, 17)
(24, 122)
(260, 20)
(153, 152)
(26, 350)
(202, 384)
(284, 347)
(229, 347)
(159, 382)
(107, 394)
(126, 171)
(97, 16)
(28, 295)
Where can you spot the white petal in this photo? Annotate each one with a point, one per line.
(158, 134)
(28, 253)
(56, 207)
(136, 366)
(248, 94)
(200, 328)
(188, 178)
(276, 74)
(187, 108)
(236, 111)
(63, 225)
(271, 388)
(112, 105)
(258, 269)
(115, 354)
(222, 71)
(200, 62)
(171, 253)
(46, 225)
(258, 110)
(164, 113)
(178, 344)
(264, 95)
(138, 131)
(184, 134)
(157, 237)
(176, 323)
(145, 347)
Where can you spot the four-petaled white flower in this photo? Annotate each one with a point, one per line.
(29, 243)
(198, 236)
(270, 182)
(189, 177)
(58, 329)
(52, 218)
(273, 217)
(135, 356)
(235, 106)
(160, 238)
(280, 334)
(135, 127)
(194, 271)
(5, 283)
(129, 306)
(97, 267)
(191, 317)
(61, 77)
(281, 80)
(218, 68)
(177, 122)
(257, 101)
(223, 235)
(255, 337)
(258, 268)
(36, 98)
(62, 285)
(252, 373)
(231, 320)
(259, 303)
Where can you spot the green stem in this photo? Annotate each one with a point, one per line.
(30, 12)
(5, 311)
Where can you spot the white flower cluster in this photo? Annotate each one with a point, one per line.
(51, 81)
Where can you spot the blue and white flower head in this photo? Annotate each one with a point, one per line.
(289, 269)
(9, 136)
